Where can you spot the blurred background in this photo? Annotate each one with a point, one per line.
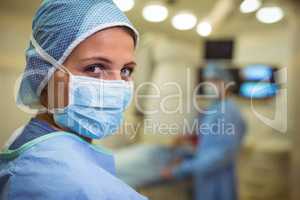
(256, 38)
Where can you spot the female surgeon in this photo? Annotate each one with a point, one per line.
(78, 68)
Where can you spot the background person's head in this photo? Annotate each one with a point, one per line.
(218, 81)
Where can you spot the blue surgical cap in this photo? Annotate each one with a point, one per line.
(58, 27)
(217, 70)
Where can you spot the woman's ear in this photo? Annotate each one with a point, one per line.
(44, 97)
(55, 94)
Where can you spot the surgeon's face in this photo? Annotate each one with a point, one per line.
(108, 54)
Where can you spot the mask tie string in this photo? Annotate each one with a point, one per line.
(47, 57)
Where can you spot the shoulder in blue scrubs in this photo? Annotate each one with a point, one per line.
(45, 164)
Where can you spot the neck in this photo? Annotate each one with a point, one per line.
(48, 117)
(224, 95)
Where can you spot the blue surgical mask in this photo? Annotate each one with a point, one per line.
(96, 106)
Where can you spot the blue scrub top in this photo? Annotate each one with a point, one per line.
(42, 164)
(34, 129)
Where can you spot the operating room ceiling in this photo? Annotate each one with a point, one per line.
(231, 24)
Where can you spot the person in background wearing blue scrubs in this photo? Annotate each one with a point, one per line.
(221, 130)
(78, 75)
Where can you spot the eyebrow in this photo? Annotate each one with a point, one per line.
(104, 60)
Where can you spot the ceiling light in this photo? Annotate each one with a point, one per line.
(204, 28)
(155, 13)
(270, 14)
(124, 5)
(184, 21)
(248, 6)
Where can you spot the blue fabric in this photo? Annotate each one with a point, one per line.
(58, 27)
(35, 128)
(213, 166)
(62, 167)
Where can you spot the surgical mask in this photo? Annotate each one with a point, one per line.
(95, 107)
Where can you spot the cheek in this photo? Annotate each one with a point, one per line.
(58, 90)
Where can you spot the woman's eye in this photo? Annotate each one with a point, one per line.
(95, 68)
(126, 72)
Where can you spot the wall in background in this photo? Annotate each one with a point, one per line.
(268, 46)
(14, 35)
(11, 117)
(294, 110)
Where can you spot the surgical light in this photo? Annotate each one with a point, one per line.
(270, 14)
(204, 28)
(248, 6)
(124, 5)
(155, 13)
(184, 21)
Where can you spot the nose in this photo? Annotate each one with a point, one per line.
(113, 75)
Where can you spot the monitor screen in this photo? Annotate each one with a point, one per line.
(219, 49)
(258, 90)
(257, 72)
